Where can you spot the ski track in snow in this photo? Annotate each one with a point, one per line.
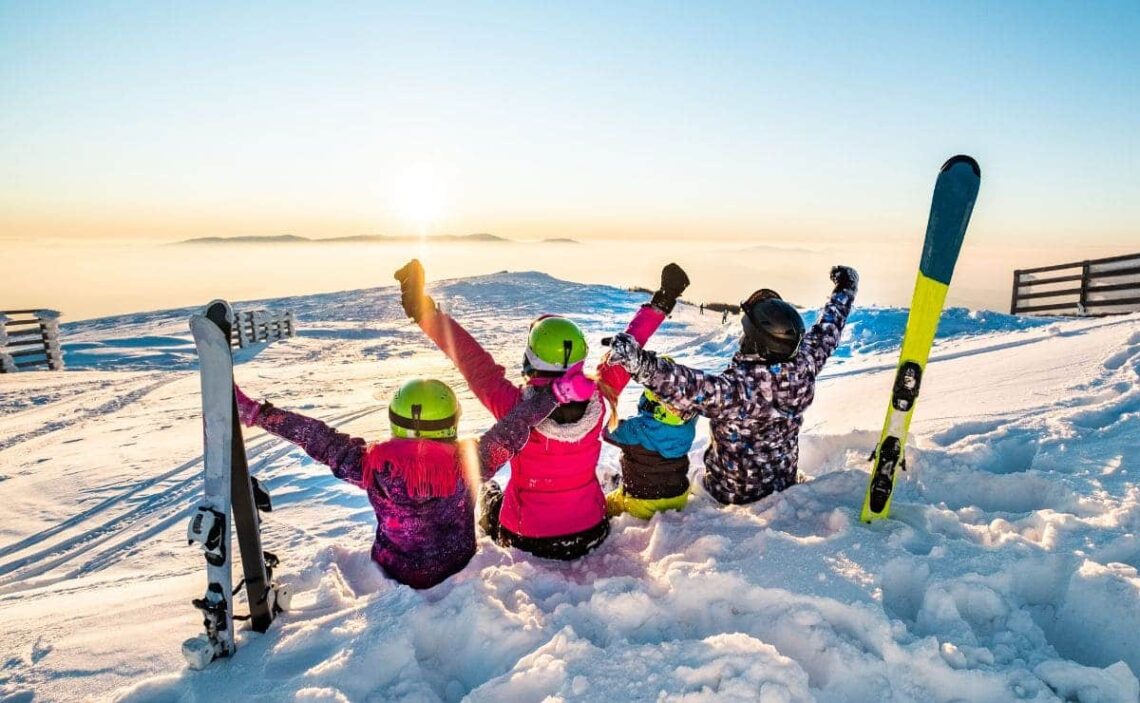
(1008, 571)
(81, 414)
(103, 540)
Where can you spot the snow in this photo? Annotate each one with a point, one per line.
(1007, 572)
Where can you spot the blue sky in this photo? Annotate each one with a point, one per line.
(773, 121)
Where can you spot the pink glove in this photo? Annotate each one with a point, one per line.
(248, 409)
(573, 386)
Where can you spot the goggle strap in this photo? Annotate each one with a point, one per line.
(418, 424)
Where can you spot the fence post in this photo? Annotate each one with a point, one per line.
(243, 322)
(1082, 306)
(1016, 287)
(7, 363)
(49, 331)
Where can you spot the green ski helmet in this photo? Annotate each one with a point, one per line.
(555, 344)
(424, 408)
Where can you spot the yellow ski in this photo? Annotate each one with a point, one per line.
(955, 191)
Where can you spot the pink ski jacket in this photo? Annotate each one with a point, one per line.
(554, 489)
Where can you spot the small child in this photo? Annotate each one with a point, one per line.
(419, 482)
(655, 447)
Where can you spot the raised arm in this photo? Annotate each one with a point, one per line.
(645, 322)
(509, 435)
(340, 452)
(487, 379)
(686, 389)
(823, 337)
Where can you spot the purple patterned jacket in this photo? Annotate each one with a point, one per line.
(425, 510)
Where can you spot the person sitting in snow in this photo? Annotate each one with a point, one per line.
(755, 407)
(654, 447)
(417, 481)
(553, 505)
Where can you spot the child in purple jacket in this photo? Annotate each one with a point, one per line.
(417, 481)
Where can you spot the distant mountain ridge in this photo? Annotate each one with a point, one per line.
(364, 238)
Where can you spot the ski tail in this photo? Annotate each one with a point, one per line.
(955, 192)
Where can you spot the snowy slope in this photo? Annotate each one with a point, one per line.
(1009, 571)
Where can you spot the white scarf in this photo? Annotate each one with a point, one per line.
(574, 431)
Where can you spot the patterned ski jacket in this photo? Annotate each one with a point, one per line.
(755, 409)
(554, 489)
(425, 511)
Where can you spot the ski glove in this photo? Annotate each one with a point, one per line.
(844, 278)
(674, 281)
(411, 278)
(248, 409)
(625, 352)
(573, 386)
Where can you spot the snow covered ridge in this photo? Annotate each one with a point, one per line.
(1007, 572)
(160, 339)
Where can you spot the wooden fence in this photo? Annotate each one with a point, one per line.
(256, 326)
(1093, 287)
(29, 338)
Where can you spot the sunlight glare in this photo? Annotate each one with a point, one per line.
(419, 197)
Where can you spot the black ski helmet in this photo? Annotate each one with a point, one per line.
(773, 329)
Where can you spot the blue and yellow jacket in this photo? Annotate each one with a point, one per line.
(654, 455)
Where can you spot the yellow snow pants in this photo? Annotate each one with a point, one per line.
(617, 502)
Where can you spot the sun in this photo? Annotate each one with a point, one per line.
(419, 197)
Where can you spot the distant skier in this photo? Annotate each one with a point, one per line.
(702, 308)
(654, 447)
(417, 481)
(724, 316)
(553, 505)
(755, 406)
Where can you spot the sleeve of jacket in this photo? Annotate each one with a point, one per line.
(509, 435)
(643, 325)
(487, 379)
(823, 337)
(340, 452)
(622, 434)
(711, 395)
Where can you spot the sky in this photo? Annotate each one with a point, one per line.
(773, 122)
(763, 141)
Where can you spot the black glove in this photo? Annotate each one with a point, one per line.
(844, 278)
(411, 278)
(674, 281)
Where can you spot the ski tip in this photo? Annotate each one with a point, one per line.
(220, 311)
(962, 159)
